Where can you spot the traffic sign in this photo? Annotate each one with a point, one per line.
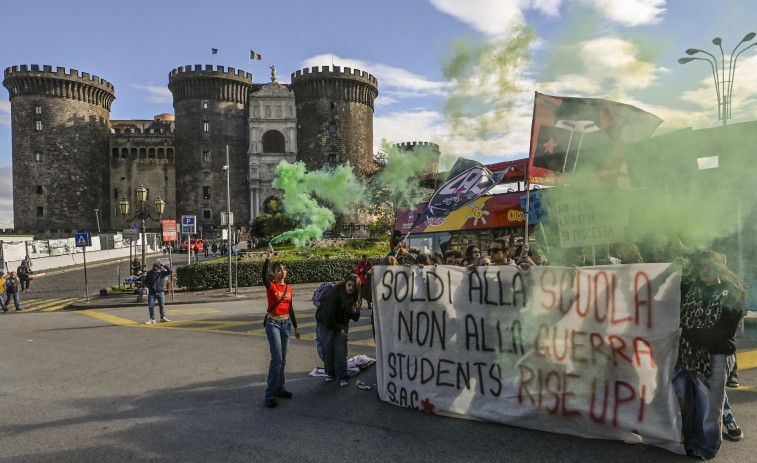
(130, 234)
(82, 240)
(134, 226)
(188, 224)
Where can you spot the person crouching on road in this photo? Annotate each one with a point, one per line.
(12, 287)
(155, 282)
(341, 305)
(278, 328)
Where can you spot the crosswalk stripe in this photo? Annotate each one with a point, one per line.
(59, 303)
(64, 303)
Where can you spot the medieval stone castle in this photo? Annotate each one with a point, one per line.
(72, 164)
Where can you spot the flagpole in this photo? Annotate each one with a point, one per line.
(528, 170)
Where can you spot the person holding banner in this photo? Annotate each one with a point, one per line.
(711, 308)
(341, 305)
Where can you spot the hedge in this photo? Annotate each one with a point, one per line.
(216, 275)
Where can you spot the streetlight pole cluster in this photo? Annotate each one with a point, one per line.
(723, 82)
(142, 214)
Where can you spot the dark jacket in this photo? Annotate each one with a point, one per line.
(155, 280)
(11, 285)
(721, 337)
(332, 314)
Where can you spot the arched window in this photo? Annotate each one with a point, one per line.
(273, 142)
(151, 153)
(115, 152)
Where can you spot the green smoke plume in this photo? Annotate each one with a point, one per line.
(337, 187)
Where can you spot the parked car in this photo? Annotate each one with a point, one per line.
(194, 243)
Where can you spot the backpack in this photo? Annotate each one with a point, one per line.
(320, 293)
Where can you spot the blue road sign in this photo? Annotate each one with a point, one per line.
(82, 240)
(134, 226)
(188, 224)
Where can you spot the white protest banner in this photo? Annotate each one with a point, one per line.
(591, 219)
(583, 351)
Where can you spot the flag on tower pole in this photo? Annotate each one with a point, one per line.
(214, 51)
(255, 56)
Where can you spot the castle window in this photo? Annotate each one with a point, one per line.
(39, 189)
(38, 157)
(206, 126)
(38, 110)
(206, 214)
(40, 212)
(206, 156)
(333, 158)
(115, 152)
(115, 194)
(151, 153)
(206, 192)
(38, 126)
(273, 142)
(332, 127)
(204, 105)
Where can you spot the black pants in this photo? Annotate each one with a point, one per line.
(24, 281)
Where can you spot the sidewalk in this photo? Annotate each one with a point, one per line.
(303, 294)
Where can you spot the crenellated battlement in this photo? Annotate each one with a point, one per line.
(208, 71)
(313, 85)
(335, 72)
(33, 80)
(411, 145)
(209, 83)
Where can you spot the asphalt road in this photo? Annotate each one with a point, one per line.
(97, 385)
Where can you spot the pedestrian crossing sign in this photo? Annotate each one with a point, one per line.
(82, 240)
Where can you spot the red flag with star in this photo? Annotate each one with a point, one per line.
(588, 134)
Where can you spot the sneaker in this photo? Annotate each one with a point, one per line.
(344, 382)
(330, 379)
(732, 382)
(164, 320)
(734, 431)
(270, 403)
(150, 321)
(285, 395)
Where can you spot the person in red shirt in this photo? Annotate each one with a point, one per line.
(364, 273)
(278, 328)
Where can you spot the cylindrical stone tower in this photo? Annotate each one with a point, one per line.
(428, 152)
(211, 112)
(60, 129)
(335, 117)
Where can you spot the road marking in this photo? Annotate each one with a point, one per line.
(109, 318)
(48, 305)
(191, 311)
(747, 360)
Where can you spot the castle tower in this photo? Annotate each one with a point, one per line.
(335, 117)
(211, 112)
(60, 129)
(429, 151)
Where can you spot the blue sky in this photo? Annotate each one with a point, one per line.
(623, 50)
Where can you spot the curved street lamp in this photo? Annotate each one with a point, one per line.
(723, 85)
(142, 214)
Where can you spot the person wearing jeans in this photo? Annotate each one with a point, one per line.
(278, 328)
(154, 281)
(12, 287)
(341, 304)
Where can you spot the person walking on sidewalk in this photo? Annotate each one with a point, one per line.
(2, 291)
(12, 287)
(155, 282)
(278, 322)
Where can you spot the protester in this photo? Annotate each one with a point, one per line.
(711, 307)
(454, 257)
(472, 253)
(2, 291)
(499, 253)
(363, 271)
(155, 282)
(630, 254)
(12, 285)
(341, 305)
(279, 321)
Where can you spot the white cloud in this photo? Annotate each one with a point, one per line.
(5, 112)
(491, 17)
(6, 197)
(630, 12)
(156, 94)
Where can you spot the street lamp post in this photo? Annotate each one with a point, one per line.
(142, 214)
(723, 84)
